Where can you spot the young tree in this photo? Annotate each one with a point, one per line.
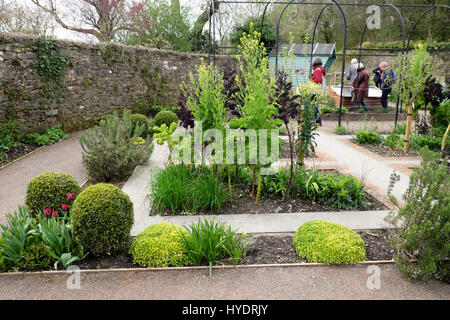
(413, 71)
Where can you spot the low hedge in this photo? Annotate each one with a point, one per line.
(102, 217)
(165, 116)
(160, 245)
(49, 190)
(328, 242)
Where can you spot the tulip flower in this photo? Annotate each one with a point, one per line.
(70, 196)
(65, 207)
(55, 213)
(47, 212)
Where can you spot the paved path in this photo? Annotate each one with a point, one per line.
(64, 156)
(300, 282)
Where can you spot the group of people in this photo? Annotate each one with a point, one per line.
(359, 80)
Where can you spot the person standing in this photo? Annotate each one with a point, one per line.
(378, 73)
(387, 80)
(361, 87)
(351, 71)
(318, 76)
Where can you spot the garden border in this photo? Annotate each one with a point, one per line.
(22, 157)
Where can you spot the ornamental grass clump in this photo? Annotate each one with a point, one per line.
(329, 243)
(49, 190)
(108, 154)
(102, 217)
(160, 245)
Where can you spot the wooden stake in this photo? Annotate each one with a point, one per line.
(408, 127)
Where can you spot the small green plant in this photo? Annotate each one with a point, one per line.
(165, 117)
(160, 245)
(108, 154)
(393, 141)
(328, 242)
(50, 136)
(212, 242)
(341, 130)
(423, 223)
(102, 217)
(164, 134)
(368, 138)
(140, 120)
(49, 190)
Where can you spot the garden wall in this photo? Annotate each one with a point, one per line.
(84, 82)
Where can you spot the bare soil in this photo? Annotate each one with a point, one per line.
(387, 152)
(17, 152)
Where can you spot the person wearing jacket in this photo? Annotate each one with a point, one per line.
(378, 73)
(361, 87)
(387, 80)
(351, 71)
(318, 76)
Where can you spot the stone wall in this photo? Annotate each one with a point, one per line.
(98, 79)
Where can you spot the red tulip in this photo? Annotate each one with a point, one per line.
(70, 196)
(47, 212)
(65, 207)
(55, 213)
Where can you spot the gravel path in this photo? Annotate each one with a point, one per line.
(274, 283)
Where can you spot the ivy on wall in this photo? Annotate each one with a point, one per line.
(49, 64)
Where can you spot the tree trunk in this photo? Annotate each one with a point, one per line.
(408, 128)
(291, 147)
(201, 21)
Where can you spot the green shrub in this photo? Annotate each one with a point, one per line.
(108, 154)
(423, 223)
(10, 128)
(50, 136)
(368, 137)
(328, 242)
(102, 217)
(165, 117)
(393, 141)
(341, 130)
(442, 115)
(49, 190)
(326, 110)
(140, 120)
(2, 259)
(159, 245)
(418, 142)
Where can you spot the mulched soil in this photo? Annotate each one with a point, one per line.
(17, 152)
(266, 249)
(387, 152)
(286, 152)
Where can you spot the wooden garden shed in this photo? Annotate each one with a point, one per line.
(302, 58)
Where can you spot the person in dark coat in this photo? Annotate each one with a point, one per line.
(378, 73)
(361, 87)
(387, 80)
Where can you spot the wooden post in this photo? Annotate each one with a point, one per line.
(408, 127)
(301, 153)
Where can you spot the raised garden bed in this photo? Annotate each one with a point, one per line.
(266, 249)
(387, 152)
(17, 152)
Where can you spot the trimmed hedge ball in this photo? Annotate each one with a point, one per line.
(328, 242)
(49, 190)
(140, 119)
(102, 217)
(166, 117)
(160, 245)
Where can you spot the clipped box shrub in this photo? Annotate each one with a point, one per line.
(328, 242)
(49, 190)
(166, 117)
(160, 245)
(102, 217)
(140, 120)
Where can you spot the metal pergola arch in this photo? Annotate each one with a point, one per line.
(212, 46)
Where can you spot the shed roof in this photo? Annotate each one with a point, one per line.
(325, 49)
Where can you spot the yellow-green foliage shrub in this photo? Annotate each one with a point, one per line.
(160, 245)
(102, 217)
(49, 190)
(165, 116)
(328, 242)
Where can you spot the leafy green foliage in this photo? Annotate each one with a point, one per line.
(368, 137)
(211, 242)
(108, 154)
(328, 242)
(442, 114)
(49, 64)
(49, 190)
(341, 130)
(267, 32)
(50, 136)
(160, 245)
(166, 117)
(102, 217)
(38, 243)
(394, 141)
(424, 221)
(140, 120)
(164, 134)
(179, 187)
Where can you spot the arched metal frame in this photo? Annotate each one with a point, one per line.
(325, 5)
